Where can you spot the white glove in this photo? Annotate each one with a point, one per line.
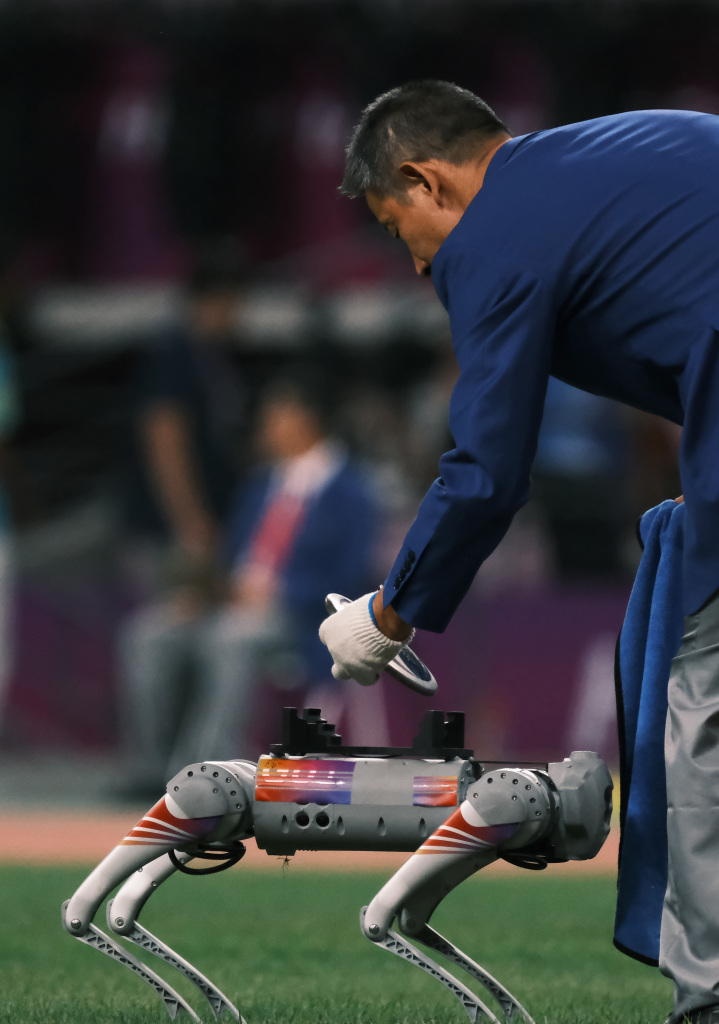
(360, 650)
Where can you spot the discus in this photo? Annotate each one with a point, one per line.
(405, 667)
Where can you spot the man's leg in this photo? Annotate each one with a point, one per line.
(154, 649)
(689, 947)
(235, 645)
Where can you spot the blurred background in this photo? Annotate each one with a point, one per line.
(168, 174)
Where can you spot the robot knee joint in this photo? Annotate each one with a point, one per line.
(211, 790)
(518, 800)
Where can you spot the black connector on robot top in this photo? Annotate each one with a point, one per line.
(440, 737)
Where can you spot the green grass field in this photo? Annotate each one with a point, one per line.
(286, 948)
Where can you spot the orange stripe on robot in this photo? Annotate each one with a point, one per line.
(172, 830)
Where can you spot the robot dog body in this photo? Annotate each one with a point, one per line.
(454, 814)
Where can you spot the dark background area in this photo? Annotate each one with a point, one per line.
(132, 133)
(135, 133)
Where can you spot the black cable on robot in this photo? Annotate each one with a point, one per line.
(228, 855)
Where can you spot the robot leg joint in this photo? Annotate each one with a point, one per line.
(547, 816)
(215, 789)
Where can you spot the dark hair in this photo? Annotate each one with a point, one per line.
(221, 266)
(306, 385)
(416, 121)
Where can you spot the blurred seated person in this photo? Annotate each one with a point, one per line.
(188, 413)
(302, 525)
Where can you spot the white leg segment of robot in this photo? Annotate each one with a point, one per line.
(454, 814)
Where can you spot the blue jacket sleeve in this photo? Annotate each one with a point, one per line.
(502, 319)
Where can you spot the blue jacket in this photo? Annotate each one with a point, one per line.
(332, 551)
(591, 253)
(650, 637)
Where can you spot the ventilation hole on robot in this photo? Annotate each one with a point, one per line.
(322, 819)
(341, 826)
(302, 818)
(381, 827)
(301, 803)
(422, 827)
(284, 824)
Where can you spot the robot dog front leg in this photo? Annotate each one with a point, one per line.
(524, 815)
(206, 804)
(122, 914)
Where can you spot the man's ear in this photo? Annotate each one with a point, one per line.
(422, 174)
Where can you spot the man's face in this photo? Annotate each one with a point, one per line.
(420, 222)
(214, 313)
(287, 428)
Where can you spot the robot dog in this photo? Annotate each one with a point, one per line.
(434, 800)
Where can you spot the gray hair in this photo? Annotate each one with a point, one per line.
(416, 121)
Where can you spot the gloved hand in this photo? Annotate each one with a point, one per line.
(360, 651)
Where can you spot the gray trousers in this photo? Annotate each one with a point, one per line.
(689, 946)
(220, 657)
